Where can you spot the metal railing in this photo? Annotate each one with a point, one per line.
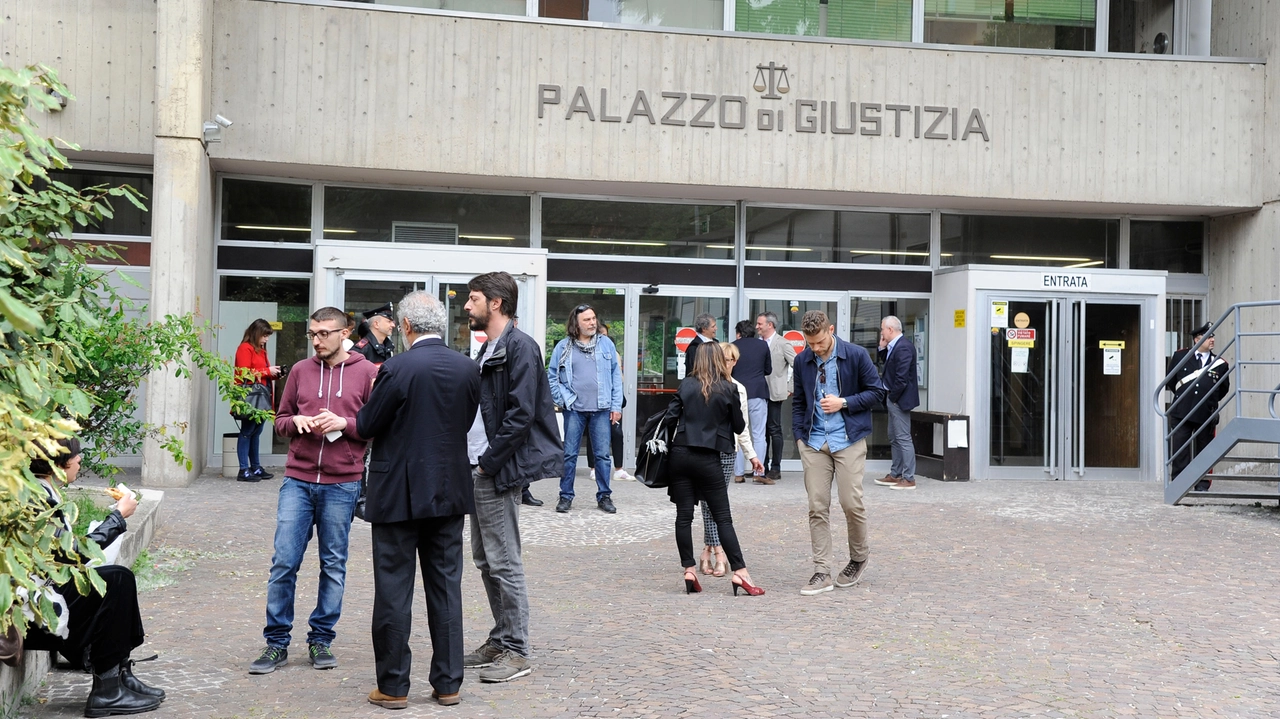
(1243, 428)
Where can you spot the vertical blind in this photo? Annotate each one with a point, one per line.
(855, 19)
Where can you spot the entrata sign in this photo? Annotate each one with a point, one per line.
(684, 336)
(768, 113)
(795, 338)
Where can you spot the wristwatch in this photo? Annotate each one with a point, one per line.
(845, 401)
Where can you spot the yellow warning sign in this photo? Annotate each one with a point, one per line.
(1111, 344)
(1022, 343)
(959, 319)
(277, 326)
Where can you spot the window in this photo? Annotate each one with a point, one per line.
(777, 234)
(496, 7)
(128, 220)
(696, 14)
(1142, 26)
(1038, 24)
(283, 302)
(865, 316)
(372, 215)
(1171, 246)
(266, 211)
(602, 227)
(1066, 243)
(858, 19)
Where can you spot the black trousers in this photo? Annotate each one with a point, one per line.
(437, 544)
(694, 474)
(615, 442)
(1200, 438)
(773, 438)
(109, 626)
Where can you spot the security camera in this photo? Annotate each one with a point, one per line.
(222, 121)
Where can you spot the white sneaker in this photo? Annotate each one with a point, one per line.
(622, 476)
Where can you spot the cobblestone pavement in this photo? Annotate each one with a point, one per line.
(990, 599)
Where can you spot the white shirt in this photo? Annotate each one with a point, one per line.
(477, 438)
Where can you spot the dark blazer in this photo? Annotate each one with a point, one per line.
(900, 374)
(422, 404)
(698, 340)
(859, 384)
(707, 423)
(755, 364)
(517, 412)
(1213, 382)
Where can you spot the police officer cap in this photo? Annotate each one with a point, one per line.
(384, 311)
(1201, 331)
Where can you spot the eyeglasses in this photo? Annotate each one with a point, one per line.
(322, 334)
(822, 374)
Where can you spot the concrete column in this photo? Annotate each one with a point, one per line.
(182, 225)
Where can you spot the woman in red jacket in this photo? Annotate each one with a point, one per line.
(253, 367)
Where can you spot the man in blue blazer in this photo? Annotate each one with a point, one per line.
(898, 356)
(836, 386)
(419, 491)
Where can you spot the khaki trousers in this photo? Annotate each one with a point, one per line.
(845, 468)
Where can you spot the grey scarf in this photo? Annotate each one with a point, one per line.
(588, 348)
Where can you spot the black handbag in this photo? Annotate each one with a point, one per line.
(258, 397)
(653, 453)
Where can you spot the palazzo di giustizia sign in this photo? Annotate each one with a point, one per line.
(771, 112)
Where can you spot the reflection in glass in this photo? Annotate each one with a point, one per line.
(609, 227)
(659, 364)
(857, 19)
(610, 306)
(373, 215)
(1141, 26)
(1020, 392)
(266, 211)
(780, 234)
(245, 299)
(1067, 243)
(696, 14)
(865, 317)
(1040, 24)
(128, 219)
(496, 7)
(1170, 246)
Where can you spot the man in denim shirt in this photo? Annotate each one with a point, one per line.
(836, 385)
(586, 383)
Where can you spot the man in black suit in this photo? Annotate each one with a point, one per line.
(1203, 377)
(755, 364)
(705, 325)
(898, 356)
(419, 491)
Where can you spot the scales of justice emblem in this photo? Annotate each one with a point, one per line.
(774, 82)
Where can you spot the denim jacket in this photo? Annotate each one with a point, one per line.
(608, 375)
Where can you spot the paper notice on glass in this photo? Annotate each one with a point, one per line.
(1020, 355)
(999, 314)
(1111, 361)
(957, 433)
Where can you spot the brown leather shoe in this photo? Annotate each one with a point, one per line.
(739, 478)
(388, 702)
(888, 480)
(447, 700)
(763, 480)
(904, 484)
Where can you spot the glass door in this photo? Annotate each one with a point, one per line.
(360, 294)
(1064, 383)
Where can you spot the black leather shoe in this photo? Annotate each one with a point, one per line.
(563, 505)
(110, 696)
(261, 473)
(606, 505)
(134, 684)
(528, 498)
(773, 474)
(247, 476)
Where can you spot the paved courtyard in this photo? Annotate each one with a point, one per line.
(991, 599)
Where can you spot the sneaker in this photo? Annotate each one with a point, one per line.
(321, 657)
(261, 473)
(270, 658)
(851, 573)
(606, 505)
(818, 584)
(246, 475)
(904, 484)
(622, 476)
(481, 657)
(506, 667)
(563, 505)
(888, 480)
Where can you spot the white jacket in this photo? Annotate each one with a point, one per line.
(744, 437)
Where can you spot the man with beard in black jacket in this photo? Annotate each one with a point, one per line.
(513, 441)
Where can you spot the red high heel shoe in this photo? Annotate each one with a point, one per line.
(691, 586)
(744, 585)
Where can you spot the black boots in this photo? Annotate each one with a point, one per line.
(111, 695)
(134, 684)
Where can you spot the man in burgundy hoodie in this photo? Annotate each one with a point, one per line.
(322, 482)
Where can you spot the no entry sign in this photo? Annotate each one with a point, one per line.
(684, 336)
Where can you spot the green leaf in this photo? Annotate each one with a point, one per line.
(22, 317)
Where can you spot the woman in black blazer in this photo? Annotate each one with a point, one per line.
(710, 417)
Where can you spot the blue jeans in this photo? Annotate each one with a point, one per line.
(303, 505)
(247, 444)
(597, 424)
